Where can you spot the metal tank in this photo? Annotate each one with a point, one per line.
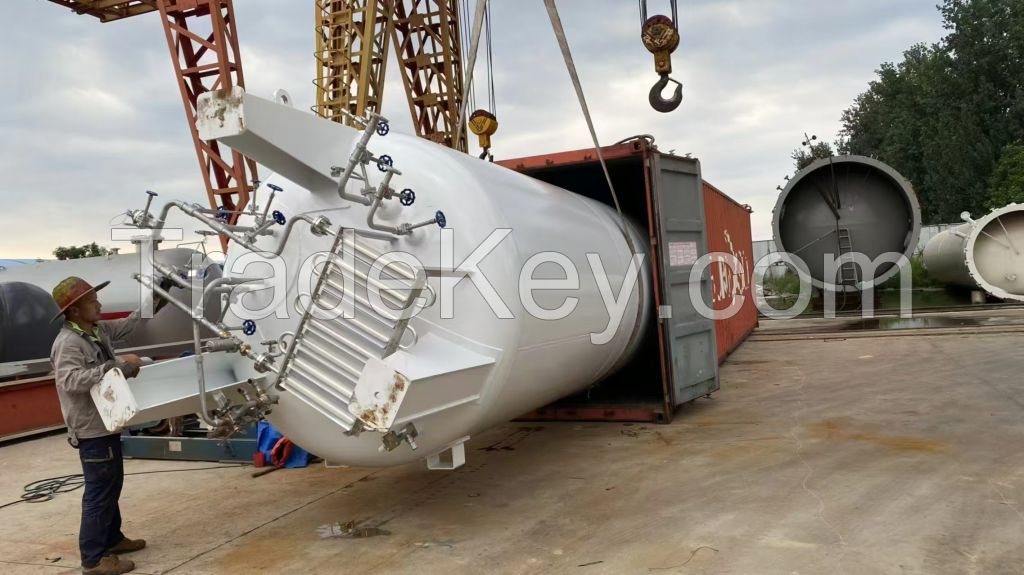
(385, 386)
(985, 253)
(27, 326)
(844, 205)
(121, 297)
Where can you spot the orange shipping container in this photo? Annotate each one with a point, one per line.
(728, 226)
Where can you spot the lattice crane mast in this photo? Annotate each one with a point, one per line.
(352, 49)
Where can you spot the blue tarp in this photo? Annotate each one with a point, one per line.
(267, 437)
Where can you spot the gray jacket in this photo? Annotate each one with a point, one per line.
(79, 363)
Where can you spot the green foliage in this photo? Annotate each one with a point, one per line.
(786, 284)
(943, 116)
(77, 252)
(1006, 186)
(807, 154)
(919, 277)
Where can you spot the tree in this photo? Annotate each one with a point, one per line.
(811, 151)
(1007, 183)
(944, 115)
(77, 252)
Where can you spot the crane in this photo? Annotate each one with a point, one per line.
(353, 39)
(203, 43)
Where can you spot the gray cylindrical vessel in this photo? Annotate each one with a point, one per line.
(986, 253)
(27, 325)
(847, 204)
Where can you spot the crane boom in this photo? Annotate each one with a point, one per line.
(352, 55)
(203, 43)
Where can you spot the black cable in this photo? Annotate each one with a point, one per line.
(49, 488)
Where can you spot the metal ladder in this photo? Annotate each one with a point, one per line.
(323, 363)
(849, 273)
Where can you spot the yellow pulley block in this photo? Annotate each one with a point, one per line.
(484, 124)
(661, 38)
(660, 35)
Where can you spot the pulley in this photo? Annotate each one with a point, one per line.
(660, 35)
(484, 124)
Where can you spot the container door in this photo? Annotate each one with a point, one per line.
(678, 199)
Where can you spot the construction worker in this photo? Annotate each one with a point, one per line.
(82, 354)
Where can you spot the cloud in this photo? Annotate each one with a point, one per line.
(91, 116)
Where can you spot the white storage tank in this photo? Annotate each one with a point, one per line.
(480, 351)
(986, 253)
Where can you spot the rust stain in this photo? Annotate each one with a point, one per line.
(834, 430)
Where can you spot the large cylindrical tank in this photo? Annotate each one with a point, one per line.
(986, 253)
(27, 329)
(122, 296)
(847, 204)
(481, 356)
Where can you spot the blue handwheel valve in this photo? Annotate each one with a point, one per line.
(248, 327)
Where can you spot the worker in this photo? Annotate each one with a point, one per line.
(82, 354)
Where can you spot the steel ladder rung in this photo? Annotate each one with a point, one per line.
(314, 350)
(337, 292)
(373, 255)
(368, 281)
(322, 372)
(342, 394)
(314, 400)
(327, 333)
(369, 312)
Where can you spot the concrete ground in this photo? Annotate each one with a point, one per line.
(867, 455)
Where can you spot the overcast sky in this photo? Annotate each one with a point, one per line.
(90, 116)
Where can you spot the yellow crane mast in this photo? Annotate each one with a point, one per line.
(352, 54)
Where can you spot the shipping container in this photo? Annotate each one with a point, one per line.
(28, 406)
(728, 224)
(662, 194)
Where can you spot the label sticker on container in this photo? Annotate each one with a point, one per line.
(682, 254)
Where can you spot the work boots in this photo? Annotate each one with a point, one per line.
(127, 546)
(109, 565)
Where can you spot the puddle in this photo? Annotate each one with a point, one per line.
(893, 323)
(349, 530)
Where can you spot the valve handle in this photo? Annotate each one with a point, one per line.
(248, 327)
(152, 194)
(383, 128)
(440, 219)
(384, 162)
(223, 213)
(279, 218)
(275, 187)
(407, 197)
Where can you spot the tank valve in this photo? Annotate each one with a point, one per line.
(383, 128)
(384, 162)
(393, 439)
(248, 327)
(407, 197)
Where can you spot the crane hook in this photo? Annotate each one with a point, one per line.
(660, 35)
(662, 104)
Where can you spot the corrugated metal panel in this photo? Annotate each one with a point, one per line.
(729, 233)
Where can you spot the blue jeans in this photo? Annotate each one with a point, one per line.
(103, 469)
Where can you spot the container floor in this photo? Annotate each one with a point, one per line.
(824, 453)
